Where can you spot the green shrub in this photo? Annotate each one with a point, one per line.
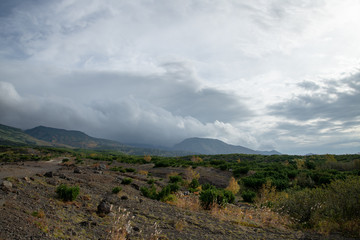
(322, 207)
(116, 190)
(164, 193)
(194, 184)
(126, 181)
(175, 179)
(240, 170)
(67, 193)
(116, 169)
(212, 196)
(151, 181)
(149, 192)
(248, 196)
(130, 170)
(208, 198)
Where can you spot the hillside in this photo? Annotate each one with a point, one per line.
(77, 139)
(15, 136)
(72, 138)
(213, 146)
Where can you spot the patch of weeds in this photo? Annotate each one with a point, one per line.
(38, 214)
(116, 190)
(130, 170)
(67, 193)
(117, 169)
(126, 181)
(151, 181)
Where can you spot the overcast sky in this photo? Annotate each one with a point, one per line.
(264, 74)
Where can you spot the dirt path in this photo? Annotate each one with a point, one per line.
(30, 168)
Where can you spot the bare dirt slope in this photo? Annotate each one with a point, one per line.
(29, 209)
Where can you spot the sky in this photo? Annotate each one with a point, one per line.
(263, 74)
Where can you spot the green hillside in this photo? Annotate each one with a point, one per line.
(16, 137)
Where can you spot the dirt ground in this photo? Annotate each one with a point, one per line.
(30, 209)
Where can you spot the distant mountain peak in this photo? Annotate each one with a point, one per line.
(215, 146)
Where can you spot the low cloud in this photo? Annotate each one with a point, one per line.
(159, 108)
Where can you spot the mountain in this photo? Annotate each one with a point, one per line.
(15, 136)
(210, 146)
(72, 138)
(77, 139)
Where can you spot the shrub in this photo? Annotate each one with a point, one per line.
(240, 170)
(208, 198)
(116, 190)
(248, 196)
(321, 207)
(194, 184)
(212, 196)
(233, 186)
(116, 169)
(175, 179)
(151, 181)
(149, 192)
(67, 193)
(126, 181)
(130, 170)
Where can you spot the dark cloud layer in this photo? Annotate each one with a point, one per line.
(339, 101)
(159, 108)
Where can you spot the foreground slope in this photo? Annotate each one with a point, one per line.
(30, 209)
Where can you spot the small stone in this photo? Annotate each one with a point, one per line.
(135, 186)
(6, 185)
(27, 179)
(77, 170)
(49, 174)
(104, 207)
(124, 197)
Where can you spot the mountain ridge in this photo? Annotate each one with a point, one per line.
(210, 146)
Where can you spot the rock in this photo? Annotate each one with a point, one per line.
(53, 182)
(124, 197)
(77, 170)
(104, 207)
(98, 172)
(102, 167)
(135, 186)
(63, 176)
(49, 174)
(6, 185)
(27, 179)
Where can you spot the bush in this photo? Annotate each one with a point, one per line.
(151, 181)
(67, 193)
(212, 196)
(116, 190)
(126, 181)
(194, 184)
(321, 207)
(208, 198)
(149, 192)
(130, 170)
(175, 179)
(248, 196)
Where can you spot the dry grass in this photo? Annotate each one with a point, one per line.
(121, 226)
(143, 172)
(263, 217)
(190, 202)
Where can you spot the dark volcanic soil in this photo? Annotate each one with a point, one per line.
(30, 210)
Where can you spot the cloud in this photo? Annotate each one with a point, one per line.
(159, 108)
(338, 100)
